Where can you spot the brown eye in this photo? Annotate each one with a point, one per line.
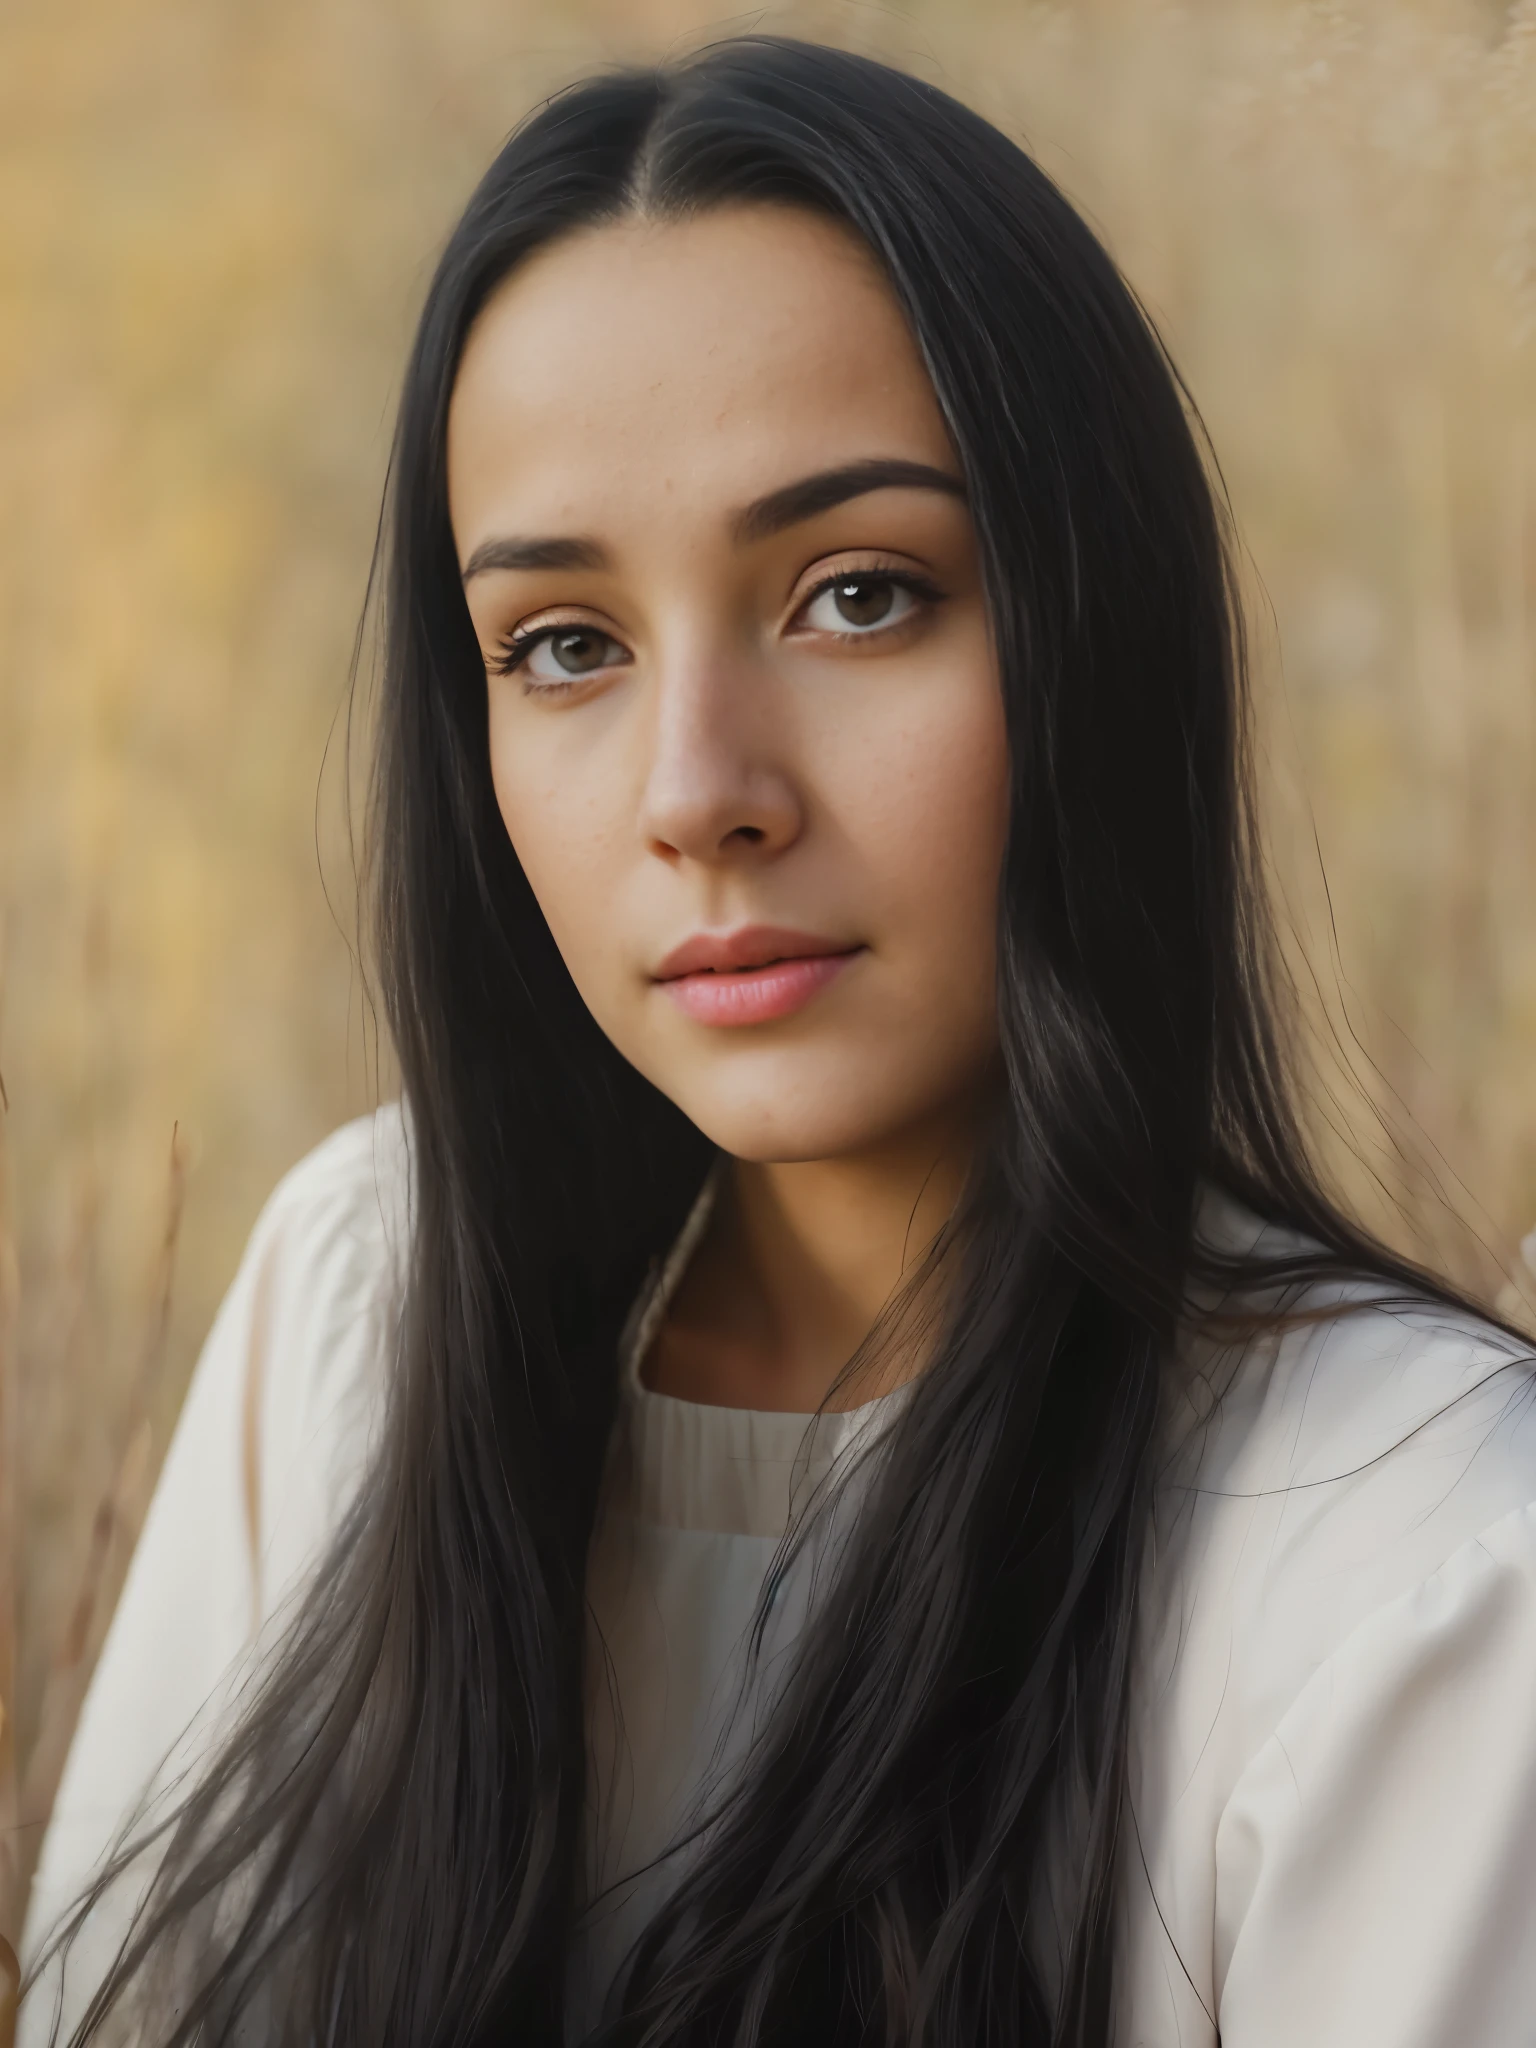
(566, 654)
(578, 652)
(864, 601)
(859, 604)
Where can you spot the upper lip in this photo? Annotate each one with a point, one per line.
(754, 945)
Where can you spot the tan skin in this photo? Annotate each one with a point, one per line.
(715, 706)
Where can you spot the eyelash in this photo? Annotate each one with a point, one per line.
(520, 643)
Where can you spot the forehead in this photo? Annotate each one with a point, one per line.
(718, 356)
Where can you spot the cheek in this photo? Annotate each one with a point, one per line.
(561, 831)
(934, 820)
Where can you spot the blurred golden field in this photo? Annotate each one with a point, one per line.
(216, 220)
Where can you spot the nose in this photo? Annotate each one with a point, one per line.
(720, 786)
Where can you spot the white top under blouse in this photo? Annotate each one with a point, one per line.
(1333, 1717)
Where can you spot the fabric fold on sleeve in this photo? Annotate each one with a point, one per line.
(1376, 1861)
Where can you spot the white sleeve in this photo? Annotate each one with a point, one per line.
(1377, 1859)
(271, 1438)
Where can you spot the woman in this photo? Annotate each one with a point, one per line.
(833, 1476)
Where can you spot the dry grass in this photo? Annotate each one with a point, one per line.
(214, 225)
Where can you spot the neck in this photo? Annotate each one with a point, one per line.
(799, 1260)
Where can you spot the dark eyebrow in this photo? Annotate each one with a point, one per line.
(784, 507)
(535, 554)
(828, 487)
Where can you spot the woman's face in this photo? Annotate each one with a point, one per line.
(745, 724)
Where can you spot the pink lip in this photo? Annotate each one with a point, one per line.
(752, 976)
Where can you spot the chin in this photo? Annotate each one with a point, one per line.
(801, 1117)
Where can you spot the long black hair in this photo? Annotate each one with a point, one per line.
(385, 1850)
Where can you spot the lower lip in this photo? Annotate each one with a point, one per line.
(757, 995)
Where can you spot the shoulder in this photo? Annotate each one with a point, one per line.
(1331, 1724)
(1336, 1647)
(1323, 1469)
(333, 1236)
(1353, 1387)
(303, 1341)
(272, 1441)
(1341, 1376)
(356, 1183)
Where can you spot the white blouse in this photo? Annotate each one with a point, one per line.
(1333, 1717)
